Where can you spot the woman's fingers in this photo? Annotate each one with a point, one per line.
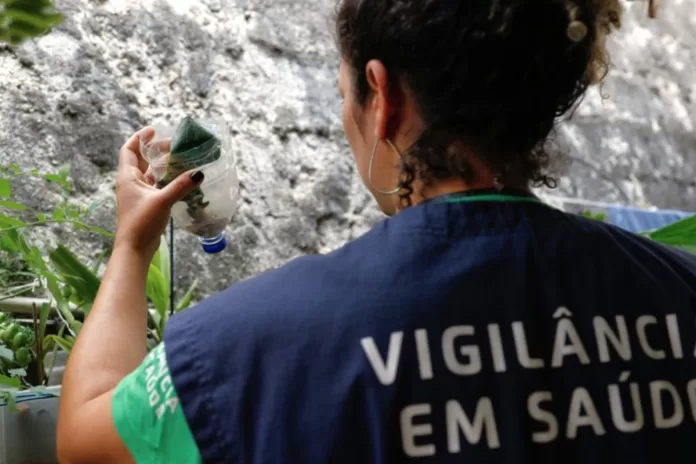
(158, 168)
(130, 155)
(156, 147)
(177, 189)
(150, 178)
(164, 145)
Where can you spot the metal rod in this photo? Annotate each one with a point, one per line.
(38, 346)
(172, 297)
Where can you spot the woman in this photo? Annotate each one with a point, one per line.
(476, 324)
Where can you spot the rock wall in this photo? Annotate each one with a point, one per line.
(639, 145)
(268, 67)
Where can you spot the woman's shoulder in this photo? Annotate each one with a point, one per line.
(302, 283)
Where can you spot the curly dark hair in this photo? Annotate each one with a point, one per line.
(493, 76)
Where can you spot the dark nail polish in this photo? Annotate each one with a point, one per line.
(197, 177)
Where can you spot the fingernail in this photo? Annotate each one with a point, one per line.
(197, 177)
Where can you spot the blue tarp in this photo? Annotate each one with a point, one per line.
(638, 220)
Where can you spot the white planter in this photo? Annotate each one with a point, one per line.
(29, 436)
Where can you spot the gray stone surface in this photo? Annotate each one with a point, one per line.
(268, 67)
(639, 145)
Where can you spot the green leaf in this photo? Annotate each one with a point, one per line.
(161, 258)
(17, 372)
(185, 302)
(54, 351)
(155, 325)
(40, 21)
(596, 216)
(61, 303)
(43, 320)
(99, 230)
(13, 205)
(680, 233)
(151, 344)
(9, 398)
(5, 188)
(688, 248)
(12, 382)
(59, 213)
(7, 222)
(8, 244)
(78, 276)
(31, 254)
(58, 180)
(158, 290)
(6, 353)
(99, 261)
(63, 342)
(75, 327)
(64, 171)
(93, 206)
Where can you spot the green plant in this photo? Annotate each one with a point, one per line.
(26, 19)
(16, 346)
(24, 260)
(79, 290)
(16, 277)
(71, 285)
(680, 234)
(158, 292)
(595, 216)
(22, 267)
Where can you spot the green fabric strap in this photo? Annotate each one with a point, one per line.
(492, 197)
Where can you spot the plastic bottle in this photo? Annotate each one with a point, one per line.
(205, 146)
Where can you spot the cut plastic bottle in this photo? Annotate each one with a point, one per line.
(205, 146)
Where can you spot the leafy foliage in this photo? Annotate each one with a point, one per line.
(158, 292)
(71, 285)
(26, 19)
(15, 276)
(16, 348)
(595, 216)
(680, 234)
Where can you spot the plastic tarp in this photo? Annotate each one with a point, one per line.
(638, 220)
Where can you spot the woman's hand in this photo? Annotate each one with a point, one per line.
(143, 211)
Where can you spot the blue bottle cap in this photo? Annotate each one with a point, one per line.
(214, 245)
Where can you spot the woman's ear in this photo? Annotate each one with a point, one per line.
(380, 104)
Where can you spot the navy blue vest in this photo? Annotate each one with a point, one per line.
(497, 332)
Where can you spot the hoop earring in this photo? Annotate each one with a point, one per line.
(369, 169)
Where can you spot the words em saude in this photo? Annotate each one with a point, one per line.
(653, 403)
